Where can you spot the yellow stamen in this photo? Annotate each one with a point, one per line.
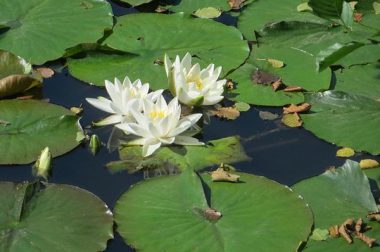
(157, 114)
(197, 80)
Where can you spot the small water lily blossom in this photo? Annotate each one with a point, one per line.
(193, 86)
(160, 124)
(122, 95)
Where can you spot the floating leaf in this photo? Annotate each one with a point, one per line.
(369, 53)
(146, 37)
(261, 13)
(268, 116)
(229, 113)
(368, 163)
(136, 2)
(221, 174)
(34, 125)
(367, 76)
(327, 8)
(45, 72)
(292, 120)
(242, 106)
(334, 53)
(254, 93)
(36, 26)
(342, 193)
(347, 15)
(15, 75)
(319, 234)
(304, 7)
(225, 150)
(181, 201)
(190, 6)
(274, 63)
(52, 217)
(236, 4)
(292, 108)
(338, 117)
(208, 12)
(345, 152)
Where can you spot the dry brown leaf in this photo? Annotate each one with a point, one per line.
(334, 231)
(277, 84)
(14, 84)
(160, 9)
(292, 120)
(221, 174)
(358, 17)
(292, 108)
(344, 230)
(368, 240)
(345, 152)
(212, 214)
(25, 97)
(229, 113)
(293, 89)
(235, 4)
(261, 77)
(368, 163)
(229, 85)
(358, 225)
(374, 216)
(45, 72)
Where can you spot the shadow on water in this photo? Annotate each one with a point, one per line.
(279, 153)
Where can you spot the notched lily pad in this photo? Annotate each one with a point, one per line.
(33, 125)
(178, 206)
(52, 217)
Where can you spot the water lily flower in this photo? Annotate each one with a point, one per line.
(193, 86)
(160, 124)
(122, 94)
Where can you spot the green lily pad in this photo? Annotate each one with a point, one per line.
(147, 37)
(360, 80)
(327, 8)
(250, 92)
(225, 150)
(291, 74)
(175, 207)
(33, 125)
(262, 12)
(52, 217)
(345, 119)
(367, 54)
(41, 30)
(15, 75)
(335, 196)
(190, 6)
(136, 2)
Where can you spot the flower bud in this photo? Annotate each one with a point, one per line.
(95, 144)
(43, 164)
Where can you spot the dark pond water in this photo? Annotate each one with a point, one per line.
(283, 154)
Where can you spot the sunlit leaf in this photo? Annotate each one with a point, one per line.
(176, 207)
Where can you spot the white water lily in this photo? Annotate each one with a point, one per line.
(122, 95)
(160, 124)
(193, 86)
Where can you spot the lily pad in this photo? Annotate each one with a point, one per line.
(344, 119)
(33, 125)
(291, 74)
(250, 92)
(225, 150)
(176, 207)
(262, 12)
(41, 30)
(145, 38)
(360, 80)
(363, 55)
(136, 2)
(334, 196)
(190, 6)
(15, 75)
(52, 217)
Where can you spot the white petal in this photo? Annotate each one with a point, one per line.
(113, 119)
(112, 92)
(211, 100)
(186, 62)
(101, 103)
(187, 140)
(167, 140)
(150, 146)
(194, 71)
(127, 82)
(153, 96)
(168, 64)
(154, 130)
